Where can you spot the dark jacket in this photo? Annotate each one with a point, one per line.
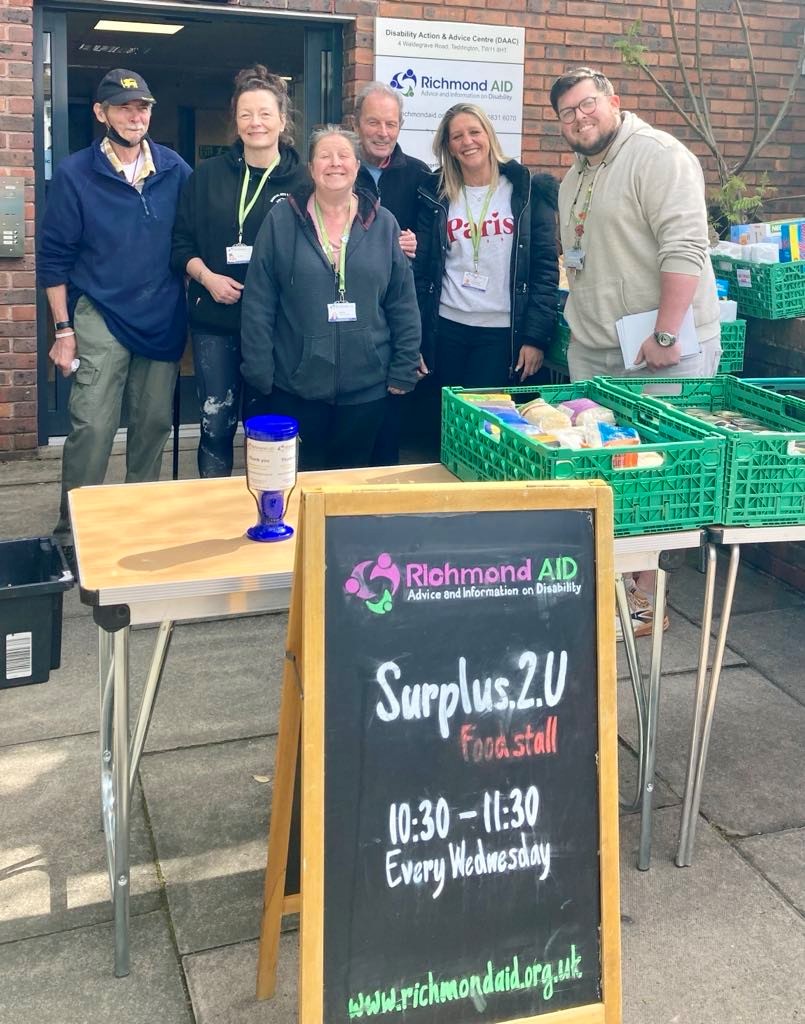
(104, 239)
(534, 270)
(207, 222)
(286, 339)
(398, 186)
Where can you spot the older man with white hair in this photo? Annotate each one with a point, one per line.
(394, 177)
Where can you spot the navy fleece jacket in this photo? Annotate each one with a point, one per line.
(104, 239)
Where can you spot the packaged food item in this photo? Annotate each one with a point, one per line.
(572, 437)
(546, 416)
(605, 435)
(649, 460)
(536, 434)
(585, 410)
(490, 398)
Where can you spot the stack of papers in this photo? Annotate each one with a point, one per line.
(635, 328)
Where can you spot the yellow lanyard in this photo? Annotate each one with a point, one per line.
(245, 209)
(477, 229)
(328, 248)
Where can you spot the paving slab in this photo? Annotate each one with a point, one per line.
(28, 509)
(755, 774)
(680, 649)
(781, 859)
(627, 782)
(228, 671)
(222, 984)
(708, 944)
(764, 639)
(53, 873)
(754, 590)
(209, 808)
(67, 978)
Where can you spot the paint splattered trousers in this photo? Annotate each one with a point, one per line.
(216, 359)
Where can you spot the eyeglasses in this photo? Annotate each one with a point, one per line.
(587, 106)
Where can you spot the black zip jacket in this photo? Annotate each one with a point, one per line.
(207, 222)
(534, 270)
(398, 186)
(287, 340)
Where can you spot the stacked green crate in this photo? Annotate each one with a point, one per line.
(556, 352)
(733, 340)
(772, 291)
(764, 482)
(682, 492)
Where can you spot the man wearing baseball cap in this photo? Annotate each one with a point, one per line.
(118, 309)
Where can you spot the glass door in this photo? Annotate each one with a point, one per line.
(51, 144)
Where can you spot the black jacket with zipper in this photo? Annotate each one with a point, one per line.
(207, 222)
(287, 340)
(534, 268)
(398, 186)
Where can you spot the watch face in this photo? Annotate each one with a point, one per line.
(664, 339)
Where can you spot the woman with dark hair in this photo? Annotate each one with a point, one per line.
(330, 320)
(220, 212)
(486, 265)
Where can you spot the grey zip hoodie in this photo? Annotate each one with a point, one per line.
(647, 215)
(286, 339)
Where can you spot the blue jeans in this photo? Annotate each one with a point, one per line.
(216, 358)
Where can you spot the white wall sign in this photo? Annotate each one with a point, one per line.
(435, 64)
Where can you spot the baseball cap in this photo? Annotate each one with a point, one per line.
(119, 86)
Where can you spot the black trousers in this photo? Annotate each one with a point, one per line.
(331, 436)
(473, 357)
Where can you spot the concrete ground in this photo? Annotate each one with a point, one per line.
(721, 942)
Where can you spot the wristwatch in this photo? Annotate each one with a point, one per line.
(664, 339)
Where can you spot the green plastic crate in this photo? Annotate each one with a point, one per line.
(733, 339)
(556, 353)
(683, 493)
(764, 483)
(773, 291)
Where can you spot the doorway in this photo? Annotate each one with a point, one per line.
(189, 57)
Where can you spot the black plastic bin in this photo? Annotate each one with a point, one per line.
(33, 578)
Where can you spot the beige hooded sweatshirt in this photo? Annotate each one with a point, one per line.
(647, 214)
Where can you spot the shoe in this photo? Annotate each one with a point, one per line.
(641, 607)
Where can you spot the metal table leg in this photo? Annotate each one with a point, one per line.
(638, 689)
(709, 557)
(693, 787)
(120, 756)
(652, 714)
(154, 678)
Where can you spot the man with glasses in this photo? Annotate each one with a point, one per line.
(118, 309)
(394, 177)
(633, 221)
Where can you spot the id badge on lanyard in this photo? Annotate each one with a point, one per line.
(238, 253)
(341, 311)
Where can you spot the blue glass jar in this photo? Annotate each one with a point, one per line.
(271, 443)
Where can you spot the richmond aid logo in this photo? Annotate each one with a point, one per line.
(375, 583)
(404, 81)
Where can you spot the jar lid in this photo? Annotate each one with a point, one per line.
(271, 428)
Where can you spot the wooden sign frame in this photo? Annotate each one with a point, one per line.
(303, 706)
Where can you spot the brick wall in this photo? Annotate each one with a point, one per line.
(17, 292)
(559, 33)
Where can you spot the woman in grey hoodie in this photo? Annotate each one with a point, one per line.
(330, 323)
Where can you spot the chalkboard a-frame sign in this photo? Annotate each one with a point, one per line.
(455, 658)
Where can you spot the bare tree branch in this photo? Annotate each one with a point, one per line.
(680, 61)
(752, 147)
(710, 143)
(704, 100)
(793, 85)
